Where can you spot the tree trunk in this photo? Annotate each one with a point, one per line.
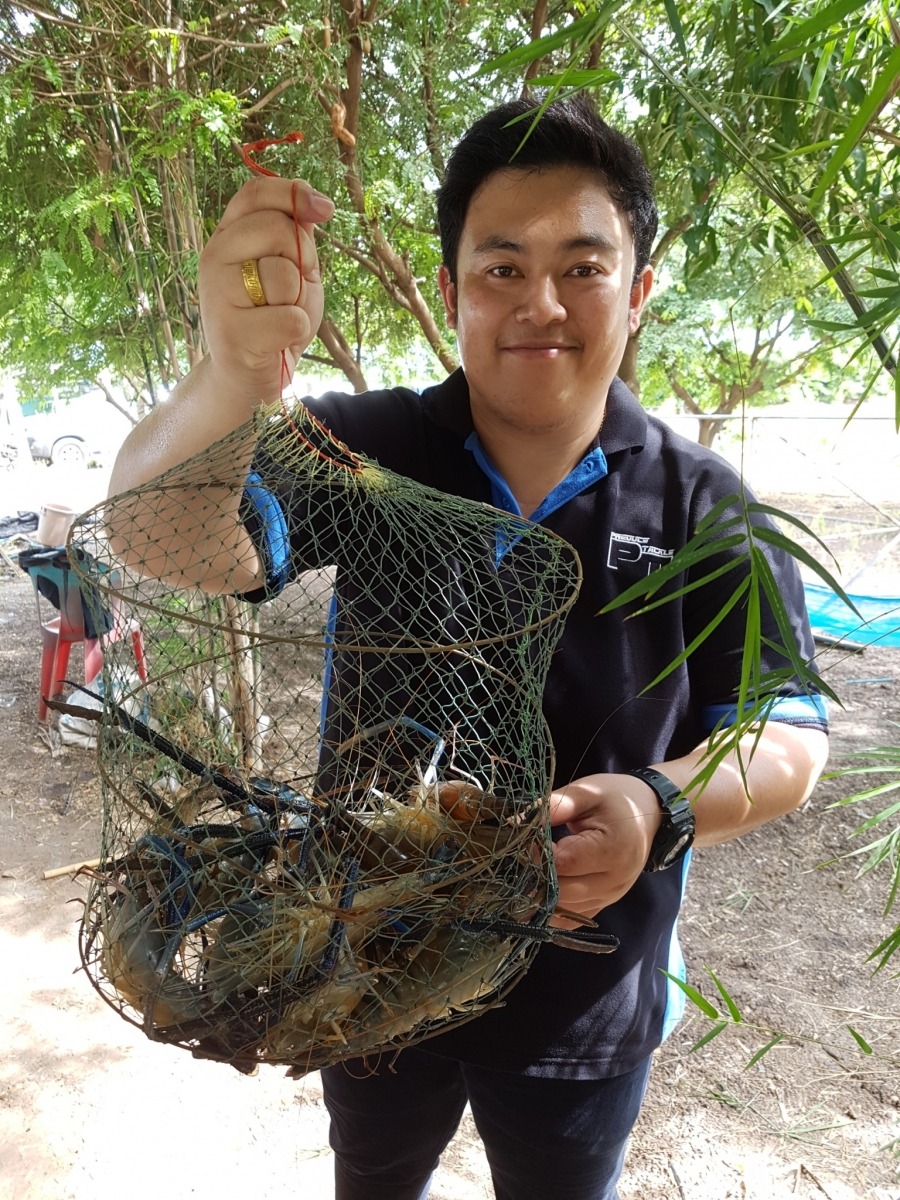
(336, 345)
(708, 431)
(627, 371)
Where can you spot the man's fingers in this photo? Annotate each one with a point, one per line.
(580, 853)
(278, 277)
(270, 241)
(293, 197)
(262, 235)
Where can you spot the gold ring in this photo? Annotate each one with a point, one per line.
(252, 281)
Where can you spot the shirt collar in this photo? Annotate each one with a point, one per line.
(624, 427)
(624, 424)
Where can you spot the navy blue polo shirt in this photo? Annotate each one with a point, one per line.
(634, 499)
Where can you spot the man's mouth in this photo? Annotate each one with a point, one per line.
(548, 348)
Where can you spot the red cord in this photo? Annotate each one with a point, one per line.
(251, 148)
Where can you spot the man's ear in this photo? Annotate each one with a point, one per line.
(448, 293)
(640, 294)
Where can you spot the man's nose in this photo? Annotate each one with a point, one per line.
(541, 304)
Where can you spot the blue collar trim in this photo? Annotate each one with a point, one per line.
(592, 468)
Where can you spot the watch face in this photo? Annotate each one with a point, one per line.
(674, 852)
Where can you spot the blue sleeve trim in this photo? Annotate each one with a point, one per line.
(810, 711)
(675, 996)
(265, 521)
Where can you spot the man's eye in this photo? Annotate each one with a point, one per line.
(504, 272)
(584, 270)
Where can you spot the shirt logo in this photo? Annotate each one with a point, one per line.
(628, 548)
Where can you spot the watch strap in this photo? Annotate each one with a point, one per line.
(676, 833)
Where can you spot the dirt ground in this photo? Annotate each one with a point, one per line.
(88, 1107)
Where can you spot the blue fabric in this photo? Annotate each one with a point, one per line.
(52, 574)
(592, 468)
(273, 540)
(563, 1139)
(675, 997)
(829, 616)
(810, 711)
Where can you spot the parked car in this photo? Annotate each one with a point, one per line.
(86, 431)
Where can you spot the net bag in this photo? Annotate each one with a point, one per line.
(325, 807)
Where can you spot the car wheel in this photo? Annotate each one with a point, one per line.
(69, 451)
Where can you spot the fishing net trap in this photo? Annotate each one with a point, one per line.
(325, 805)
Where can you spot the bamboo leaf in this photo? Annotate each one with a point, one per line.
(854, 131)
(727, 502)
(694, 996)
(701, 637)
(581, 30)
(677, 27)
(885, 814)
(860, 1040)
(774, 538)
(577, 79)
(709, 1035)
(807, 30)
(732, 1007)
(886, 949)
(688, 587)
(685, 558)
(779, 1037)
(757, 506)
(779, 610)
(821, 68)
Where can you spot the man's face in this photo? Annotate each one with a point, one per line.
(544, 299)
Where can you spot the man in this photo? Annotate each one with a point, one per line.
(545, 273)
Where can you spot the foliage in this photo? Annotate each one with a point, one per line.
(745, 333)
(727, 94)
(122, 122)
(771, 129)
(882, 762)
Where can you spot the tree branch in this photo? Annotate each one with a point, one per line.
(337, 346)
(271, 95)
(538, 21)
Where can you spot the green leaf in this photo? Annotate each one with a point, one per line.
(821, 69)
(677, 27)
(779, 609)
(732, 1007)
(735, 498)
(688, 587)
(775, 538)
(522, 55)
(685, 558)
(701, 637)
(880, 88)
(860, 1040)
(694, 996)
(578, 79)
(886, 949)
(806, 31)
(779, 1037)
(709, 1035)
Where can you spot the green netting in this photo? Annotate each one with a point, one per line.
(325, 821)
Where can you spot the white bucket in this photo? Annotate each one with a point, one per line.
(54, 524)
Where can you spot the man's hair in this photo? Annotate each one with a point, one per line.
(569, 133)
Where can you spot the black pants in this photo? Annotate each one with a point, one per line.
(543, 1138)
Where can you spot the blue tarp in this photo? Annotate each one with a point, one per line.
(831, 618)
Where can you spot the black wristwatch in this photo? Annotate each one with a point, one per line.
(675, 835)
